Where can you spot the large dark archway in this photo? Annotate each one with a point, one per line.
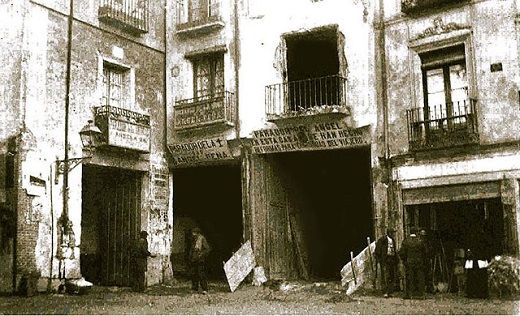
(211, 199)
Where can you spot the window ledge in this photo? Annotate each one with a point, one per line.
(193, 29)
(316, 113)
(216, 123)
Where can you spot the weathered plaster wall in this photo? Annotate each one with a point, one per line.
(11, 28)
(180, 69)
(494, 40)
(43, 46)
(261, 33)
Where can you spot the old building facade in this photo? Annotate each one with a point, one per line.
(68, 210)
(304, 130)
(272, 131)
(453, 121)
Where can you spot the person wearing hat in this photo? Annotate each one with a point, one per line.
(386, 256)
(140, 261)
(413, 255)
(198, 253)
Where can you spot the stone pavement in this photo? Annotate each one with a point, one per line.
(289, 298)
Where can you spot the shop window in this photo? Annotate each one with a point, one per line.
(208, 76)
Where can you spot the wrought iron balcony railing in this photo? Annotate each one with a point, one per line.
(130, 15)
(432, 128)
(413, 6)
(205, 110)
(124, 128)
(324, 95)
(198, 16)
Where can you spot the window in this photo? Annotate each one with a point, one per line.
(445, 84)
(198, 9)
(115, 85)
(208, 75)
(129, 15)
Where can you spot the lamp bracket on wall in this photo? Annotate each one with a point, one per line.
(70, 164)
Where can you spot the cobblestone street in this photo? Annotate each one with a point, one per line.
(300, 298)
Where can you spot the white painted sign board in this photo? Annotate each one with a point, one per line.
(238, 267)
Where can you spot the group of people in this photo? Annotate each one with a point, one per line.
(413, 255)
(197, 254)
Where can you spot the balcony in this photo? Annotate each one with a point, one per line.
(323, 97)
(416, 6)
(128, 15)
(196, 20)
(432, 128)
(205, 111)
(123, 128)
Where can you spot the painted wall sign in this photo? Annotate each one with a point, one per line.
(200, 151)
(200, 113)
(124, 128)
(309, 137)
(127, 135)
(239, 265)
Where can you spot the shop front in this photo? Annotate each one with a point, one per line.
(207, 193)
(471, 220)
(311, 197)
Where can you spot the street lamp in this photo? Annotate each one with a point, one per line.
(90, 136)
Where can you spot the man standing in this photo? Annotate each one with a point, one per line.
(139, 261)
(428, 277)
(386, 256)
(413, 254)
(198, 253)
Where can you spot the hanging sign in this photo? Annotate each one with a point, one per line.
(124, 128)
(318, 136)
(205, 150)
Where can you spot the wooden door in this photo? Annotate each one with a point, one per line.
(278, 237)
(120, 211)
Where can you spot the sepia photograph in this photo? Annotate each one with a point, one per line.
(260, 157)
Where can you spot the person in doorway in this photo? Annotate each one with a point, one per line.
(140, 261)
(413, 254)
(198, 253)
(428, 277)
(458, 270)
(477, 260)
(386, 257)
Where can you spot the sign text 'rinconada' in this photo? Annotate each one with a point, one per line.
(312, 137)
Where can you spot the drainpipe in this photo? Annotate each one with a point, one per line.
(236, 55)
(165, 83)
(64, 219)
(384, 104)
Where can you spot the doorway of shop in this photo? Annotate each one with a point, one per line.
(210, 198)
(454, 227)
(329, 205)
(110, 223)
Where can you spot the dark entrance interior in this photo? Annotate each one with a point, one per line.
(312, 58)
(111, 210)
(331, 191)
(210, 198)
(477, 225)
